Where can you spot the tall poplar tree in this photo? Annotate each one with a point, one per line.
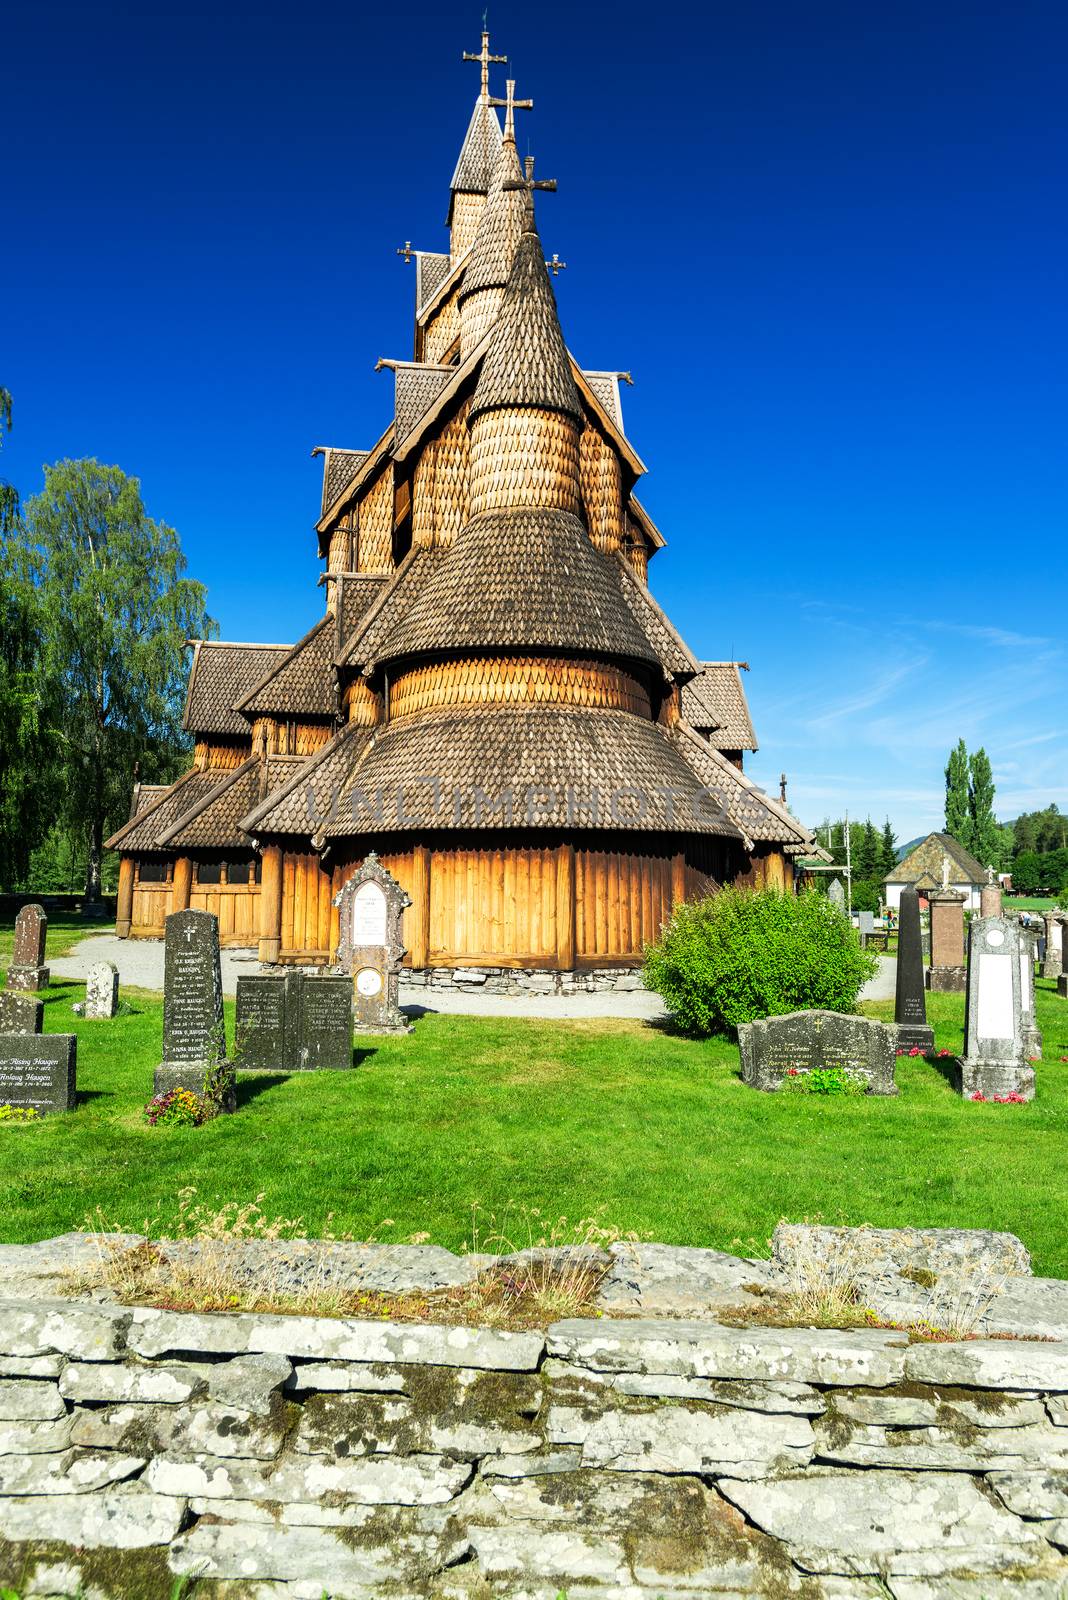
(986, 839)
(958, 799)
(115, 611)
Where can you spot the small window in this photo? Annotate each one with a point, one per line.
(237, 870)
(152, 872)
(257, 871)
(209, 872)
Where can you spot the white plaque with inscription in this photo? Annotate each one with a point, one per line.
(995, 997)
(369, 982)
(369, 915)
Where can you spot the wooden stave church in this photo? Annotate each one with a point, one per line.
(493, 700)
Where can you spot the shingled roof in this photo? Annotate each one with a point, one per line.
(211, 822)
(431, 270)
(507, 214)
(142, 831)
(562, 768)
(339, 469)
(714, 703)
(516, 578)
(927, 858)
(759, 817)
(357, 592)
(474, 167)
(220, 676)
(527, 363)
(301, 682)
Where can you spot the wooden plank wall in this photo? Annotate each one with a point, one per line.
(621, 901)
(151, 906)
(493, 907)
(309, 916)
(237, 906)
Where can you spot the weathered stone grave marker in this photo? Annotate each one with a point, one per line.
(865, 927)
(947, 972)
(995, 1052)
(27, 969)
(371, 905)
(777, 1047)
(102, 991)
(38, 1070)
(294, 1023)
(194, 1034)
(836, 893)
(1032, 1038)
(990, 896)
(1062, 981)
(1051, 965)
(910, 1003)
(20, 1013)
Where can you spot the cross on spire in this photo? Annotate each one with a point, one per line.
(407, 252)
(484, 58)
(528, 182)
(556, 266)
(513, 105)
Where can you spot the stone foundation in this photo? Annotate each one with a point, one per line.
(522, 981)
(990, 1078)
(947, 980)
(610, 1458)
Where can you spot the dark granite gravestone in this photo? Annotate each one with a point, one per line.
(777, 1047)
(38, 1070)
(995, 1055)
(294, 1023)
(1062, 981)
(194, 1034)
(27, 969)
(910, 1002)
(371, 906)
(20, 1013)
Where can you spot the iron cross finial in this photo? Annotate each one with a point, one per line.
(484, 58)
(407, 252)
(556, 266)
(528, 181)
(513, 105)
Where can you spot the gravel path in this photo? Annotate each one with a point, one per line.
(140, 964)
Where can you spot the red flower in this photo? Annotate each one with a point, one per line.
(792, 1072)
(915, 1051)
(943, 1052)
(978, 1095)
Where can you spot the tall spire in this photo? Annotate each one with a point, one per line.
(478, 153)
(484, 58)
(527, 364)
(507, 214)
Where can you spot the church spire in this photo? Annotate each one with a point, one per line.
(507, 214)
(478, 154)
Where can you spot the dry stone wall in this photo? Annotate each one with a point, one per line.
(612, 1457)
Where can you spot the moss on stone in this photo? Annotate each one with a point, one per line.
(118, 1574)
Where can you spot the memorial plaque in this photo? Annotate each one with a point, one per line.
(910, 1002)
(20, 1013)
(102, 991)
(800, 1041)
(194, 1034)
(370, 946)
(294, 1023)
(38, 1070)
(27, 970)
(995, 1059)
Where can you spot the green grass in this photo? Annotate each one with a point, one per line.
(65, 930)
(1023, 902)
(566, 1116)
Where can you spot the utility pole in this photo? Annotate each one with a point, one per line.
(849, 870)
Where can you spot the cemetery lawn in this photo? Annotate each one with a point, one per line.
(654, 1131)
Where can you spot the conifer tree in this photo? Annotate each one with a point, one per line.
(958, 799)
(867, 861)
(888, 849)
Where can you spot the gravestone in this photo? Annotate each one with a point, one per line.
(101, 991)
(194, 1034)
(1032, 1038)
(775, 1048)
(20, 1013)
(995, 1055)
(1051, 966)
(990, 896)
(947, 973)
(38, 1070)
(27, 969)
(294, 1023)
(910, 1003)
(371, 905)
(865, 926)
(836, 893)
(1062, 981)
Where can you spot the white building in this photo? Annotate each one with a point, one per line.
(937, 862)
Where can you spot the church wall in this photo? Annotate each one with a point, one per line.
(439, 493)
(601, 483)
(466, 210)
(513, 679)
(225, 754)
(521, 457)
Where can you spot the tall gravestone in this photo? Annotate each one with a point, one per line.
(776, 1048)
(1032, 1038)
(370, 946)
(20, 1013)
(38, 1071)
(1051, 966)
(102, 991)
(947, 972)
(27, 969)
(194, 1034)
(990, 896)
(836, 893)
(1062, 981)
(995, 1054)
(910, 1003)
(294, 1023)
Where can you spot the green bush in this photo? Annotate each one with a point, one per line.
(739, 955)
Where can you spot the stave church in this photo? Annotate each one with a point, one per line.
(492, 701)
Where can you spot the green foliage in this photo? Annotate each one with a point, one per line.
(866, 860)
(826, 1081)
(867, 894)
(985, 835)
(1027, 873)
(15, 1114)
(114, 610)
(958, 811)
(739, 955)
(25, 769)
(1041, 831)
(888, 849)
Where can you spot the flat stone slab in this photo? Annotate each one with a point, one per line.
(674, 1439)
(934, 1250)
(990, 1364)
(119, 1519)
(700, 1350)
(79, 1328)
(379, 1480)
(676, 1280)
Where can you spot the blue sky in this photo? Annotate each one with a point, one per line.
(827, 240)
